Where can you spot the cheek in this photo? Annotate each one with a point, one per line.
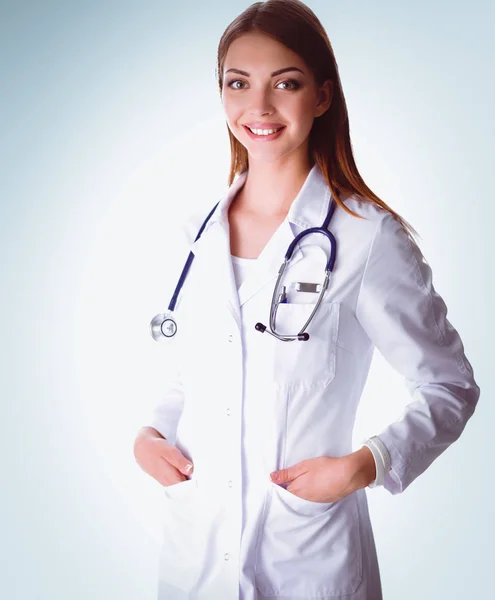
(234, 127)
(304, 105)
(305, 113)
(305, 121)
(233, 113)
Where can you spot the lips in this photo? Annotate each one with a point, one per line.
(256, 125)
(277, 129)
(264, 138)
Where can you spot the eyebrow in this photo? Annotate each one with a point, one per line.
(278, 72)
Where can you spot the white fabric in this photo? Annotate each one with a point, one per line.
(241, 404)
(241, 268)
(382, 459)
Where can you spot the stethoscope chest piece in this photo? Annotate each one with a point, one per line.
(163, 325)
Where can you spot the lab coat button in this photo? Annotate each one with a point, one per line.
(227, 412)
(231, 337)
(231, 483)
(226, 556)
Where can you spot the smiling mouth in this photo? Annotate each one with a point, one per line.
(261, 132)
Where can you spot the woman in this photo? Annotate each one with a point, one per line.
(240, 404)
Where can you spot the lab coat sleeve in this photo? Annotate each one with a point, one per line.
(168, 409)
(167, 412)
(406, 319)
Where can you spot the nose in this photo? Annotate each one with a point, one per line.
(260, 102)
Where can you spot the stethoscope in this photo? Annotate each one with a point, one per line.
(164, 324)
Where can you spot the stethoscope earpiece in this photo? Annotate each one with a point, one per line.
(300, 337)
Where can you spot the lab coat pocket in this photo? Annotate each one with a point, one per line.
(299, 505)
(308, 549)
(186, 519)
(180, 490)
(312, 361)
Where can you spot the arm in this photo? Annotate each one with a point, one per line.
(154, 448)
(405, 318)
(362, 466)
(166, 413)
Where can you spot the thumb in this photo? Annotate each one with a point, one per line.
(283, 476)
(175, 457)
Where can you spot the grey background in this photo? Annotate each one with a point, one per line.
(102, 104)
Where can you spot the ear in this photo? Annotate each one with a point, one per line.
(325, 94)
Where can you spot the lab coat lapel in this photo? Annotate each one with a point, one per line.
(214, 249)
(268, 264)
(308, 210)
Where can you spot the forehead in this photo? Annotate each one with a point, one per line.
(256, 50)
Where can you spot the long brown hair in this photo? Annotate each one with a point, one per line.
(294, 24)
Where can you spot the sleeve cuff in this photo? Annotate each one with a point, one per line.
(382, 459)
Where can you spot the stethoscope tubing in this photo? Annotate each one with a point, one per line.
(158, 331)
(301, 336)
(187, 266)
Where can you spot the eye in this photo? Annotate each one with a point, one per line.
(232, 81)
(295, 84)
(291, 82)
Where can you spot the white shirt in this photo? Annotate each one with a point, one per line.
(241, 404)
(241, 268)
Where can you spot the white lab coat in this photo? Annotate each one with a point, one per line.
(241, 404)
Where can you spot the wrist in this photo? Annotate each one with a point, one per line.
(363, 468)
(147, 432)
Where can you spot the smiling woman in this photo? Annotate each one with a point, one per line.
(296, 101)
(275, 506)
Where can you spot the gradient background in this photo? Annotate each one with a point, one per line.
(102, 104)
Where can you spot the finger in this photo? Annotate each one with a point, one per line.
(282, 476)
(290, 473)
(175, 457)
(168, 474)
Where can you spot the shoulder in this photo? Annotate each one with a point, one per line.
(376, 237)
(390, 251)
(372, 223)
(191, 224)
(372, 214)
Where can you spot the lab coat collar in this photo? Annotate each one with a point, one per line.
(310, 206)
(308, 209)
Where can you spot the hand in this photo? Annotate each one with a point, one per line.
(160, 459)
(326, 478)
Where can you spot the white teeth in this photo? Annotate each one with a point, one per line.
(264, 131)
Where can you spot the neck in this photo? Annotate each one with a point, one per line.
(270, 188)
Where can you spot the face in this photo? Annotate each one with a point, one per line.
(266, 98)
